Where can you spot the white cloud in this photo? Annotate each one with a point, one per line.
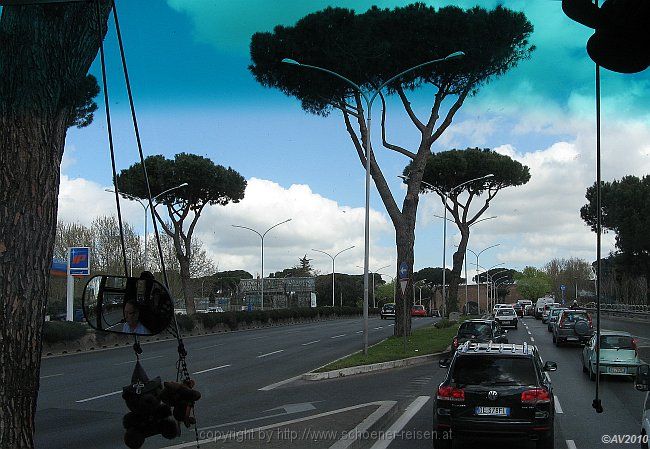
(317, 222)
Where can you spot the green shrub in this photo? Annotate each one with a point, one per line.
(185, 322)
(59, 331)
(209, 320)
(230, 320)
(443, 323)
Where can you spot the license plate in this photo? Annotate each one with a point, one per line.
(572, 338)
(616, 370)
(506, 321)
(492, 411)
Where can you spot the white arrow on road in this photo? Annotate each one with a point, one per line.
(287, 409)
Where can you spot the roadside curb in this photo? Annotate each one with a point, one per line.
(361, 369)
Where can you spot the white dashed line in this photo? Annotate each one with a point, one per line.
(211, 369)
(571, 444)
(532, 339)
(133, 361)
(558, 407)
(211, 346)
(270, 353)
(51, 375)
(380, 327)
(390, 325)
(310, 343)
(358, 332)
(98, 397)
(337, 336)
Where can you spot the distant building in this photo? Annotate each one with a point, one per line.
(279, 293)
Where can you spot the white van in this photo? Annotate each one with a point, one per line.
(539, 306)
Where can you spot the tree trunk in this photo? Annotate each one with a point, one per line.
(45, 52)
(454, 281)
(186, 284)
(405, 239)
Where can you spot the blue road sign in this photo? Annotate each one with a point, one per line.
(79, 263)
(403, 271)
(562, 287)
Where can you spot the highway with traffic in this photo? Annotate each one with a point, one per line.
(249, 380)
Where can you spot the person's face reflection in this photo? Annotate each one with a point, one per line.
(131, 314)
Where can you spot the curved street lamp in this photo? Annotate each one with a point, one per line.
(478, 284)
(145, 206)
(369, 98)
(333, 257)
(262, 237)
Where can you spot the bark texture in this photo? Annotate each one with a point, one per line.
(45, 53)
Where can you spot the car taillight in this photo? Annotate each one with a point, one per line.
(591, 323)
(535, 396)
(561, 322)
(455, 343)
(449, 393)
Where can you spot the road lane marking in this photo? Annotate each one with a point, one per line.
(98, 397)
(571, 444)
(51, 375)
(270, 353)
(402, 421)
(211, 369)
(529, 333)
(310, 343)
(391, 325)
(133, 361)
(211, 346)
(532, 339)
(380, 327)
(279, 384)
(337, 336)
(558, 407)
(358, 332)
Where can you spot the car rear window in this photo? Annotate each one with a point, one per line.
(492, 370)
(575, 316)
(389, 307)
(505, 312)
(418, 307)
(556, 312)
(616, 342)
(477, 329)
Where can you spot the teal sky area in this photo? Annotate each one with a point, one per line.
(188, 64)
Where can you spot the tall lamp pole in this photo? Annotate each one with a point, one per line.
(373, 282)
(333, 258)
(478, 281)
(262, 237)
(369, 98)
(145, 206)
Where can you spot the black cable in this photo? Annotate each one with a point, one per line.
(142, 162)
(597, 404)
(110, 133)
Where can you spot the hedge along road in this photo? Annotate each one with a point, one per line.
(229, 368)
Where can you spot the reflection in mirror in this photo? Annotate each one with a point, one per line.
(444, 363)
(127, 305)
(642, 380)
(550, 366)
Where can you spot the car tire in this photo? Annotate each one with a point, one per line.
(584, 367)
(592, 375)
(547, 441)
(554, 339)
(516, 324)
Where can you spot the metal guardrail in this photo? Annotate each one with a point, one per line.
(621, 309)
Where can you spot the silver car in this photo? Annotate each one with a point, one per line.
(618, 355)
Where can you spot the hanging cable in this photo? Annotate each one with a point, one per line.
(110, 132)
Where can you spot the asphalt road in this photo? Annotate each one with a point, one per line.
(79, 402)
(577, 425)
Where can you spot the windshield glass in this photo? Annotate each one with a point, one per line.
(491, 370)
(574, 316)
(478, 329)
(616, 342)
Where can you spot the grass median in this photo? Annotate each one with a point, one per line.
(428, 340)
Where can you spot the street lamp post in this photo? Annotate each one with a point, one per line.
(333, 258)
(489, 278)
(369, 98)
(373, 282)
(262, 237)
(478, 283)
(145, 206)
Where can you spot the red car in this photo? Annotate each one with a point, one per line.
(418, 311)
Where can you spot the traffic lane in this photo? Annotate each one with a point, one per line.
(575, 392)
(95, 373)
(222, 389)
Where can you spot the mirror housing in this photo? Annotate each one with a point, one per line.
(550, 366)
(642, 379)
(444, 363)
(127, 305)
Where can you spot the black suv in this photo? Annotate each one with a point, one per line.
(479, 331)
(495, 391)
(387, 311)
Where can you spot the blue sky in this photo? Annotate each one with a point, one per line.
(188, 66)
